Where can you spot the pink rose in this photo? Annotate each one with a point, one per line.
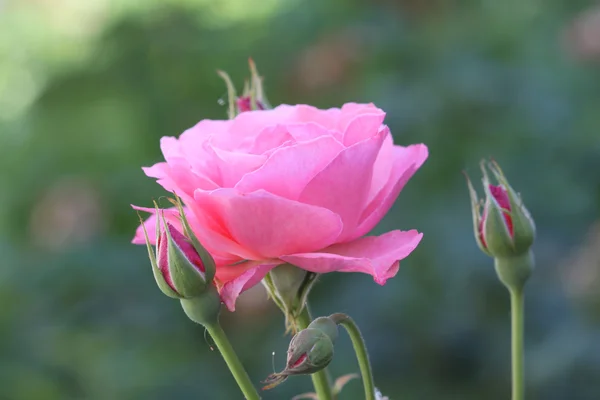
(293, 185)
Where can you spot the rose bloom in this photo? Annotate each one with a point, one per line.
(295, 185)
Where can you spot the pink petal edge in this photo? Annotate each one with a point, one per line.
(232, 289)
(374, 255)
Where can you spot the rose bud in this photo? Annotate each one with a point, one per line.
(244, 104)
(326, 325)
(182, 267)
(505, 229)
(310, 351)
(253, 97)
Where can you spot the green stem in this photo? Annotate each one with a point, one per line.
(233, 362)
(361, 352)
(518, 359)
(320, 379)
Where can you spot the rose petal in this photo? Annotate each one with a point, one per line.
(269, 139)
(289, 169)
(382, 168)
(363, 126)
(329, 119)
(247, 125)
(343, 186)
(197, 135)
(270, 225)
(232, 166)
(407, 160)
(178, 177)
(374, 255)
(179, 174)
(242, 277)
(192, 142)
(310, 130)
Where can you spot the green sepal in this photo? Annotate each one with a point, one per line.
(207, 260)
(523, 224)
(187, 278)
(203, 309)
(231, 94)
(310, 278)
(272, 294)
(327, 326)
(246, 91)
(476, 211)
(160, 280)
(289, 287)
(495, 230)
(257, 92)
(514, 271)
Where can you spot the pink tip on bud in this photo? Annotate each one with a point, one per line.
(186, 248)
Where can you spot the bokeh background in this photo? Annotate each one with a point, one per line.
(87, 88)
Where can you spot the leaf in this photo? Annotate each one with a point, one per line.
(312, 396)
(342, 381)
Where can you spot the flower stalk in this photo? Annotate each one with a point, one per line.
(361, 352)
(505, 231)
(517, 306)
(233, 362)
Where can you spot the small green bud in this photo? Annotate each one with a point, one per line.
(310, 351)
(505, 229)
(327, 326)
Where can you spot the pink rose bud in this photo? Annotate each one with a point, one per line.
(183, 269)
(253, 97)
(505, 229)
(179, 263)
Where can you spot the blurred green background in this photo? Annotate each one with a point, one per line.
(87, 88)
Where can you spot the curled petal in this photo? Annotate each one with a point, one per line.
(238, 278)
(407, 160)
(374, 255)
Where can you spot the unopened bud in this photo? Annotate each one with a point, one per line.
(327, 326)
(504, 229)
(253, 97)
(183, 269)
(310, 351)
(179, 263)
